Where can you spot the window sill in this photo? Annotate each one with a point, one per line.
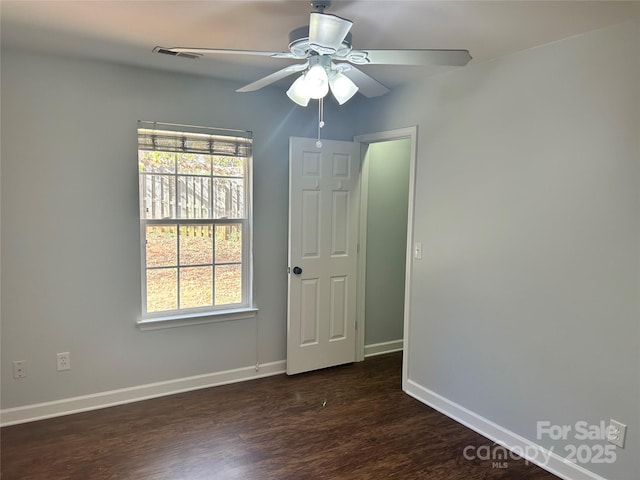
(157, 323)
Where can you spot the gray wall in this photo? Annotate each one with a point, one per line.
(70, 228)
(525, 306)
(388, 199)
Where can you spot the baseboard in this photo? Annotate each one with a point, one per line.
(524, 448)
(67, 406)
(384, 347)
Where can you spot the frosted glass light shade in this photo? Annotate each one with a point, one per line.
(316, 82)
(298, 92)
(342, 87)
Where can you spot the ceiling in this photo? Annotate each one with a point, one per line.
(127, 31)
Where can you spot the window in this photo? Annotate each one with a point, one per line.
(195, 219)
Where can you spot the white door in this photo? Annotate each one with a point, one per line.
(323, 263)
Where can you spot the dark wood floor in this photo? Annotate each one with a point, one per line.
(349, 422)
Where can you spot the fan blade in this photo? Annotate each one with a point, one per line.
(274, 77)
(327, 32)
(368, 86)
(457, 58)
(216, 51)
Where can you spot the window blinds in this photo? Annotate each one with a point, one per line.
(168, 137)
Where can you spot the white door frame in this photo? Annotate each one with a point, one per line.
(365, 140)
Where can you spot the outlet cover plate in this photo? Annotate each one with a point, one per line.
(19, 370)
(616, 433)
(64, 361)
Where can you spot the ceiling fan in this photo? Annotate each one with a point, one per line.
(329, 61)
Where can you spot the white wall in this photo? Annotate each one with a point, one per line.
(70, 228)
(388, 199)
(525, 306)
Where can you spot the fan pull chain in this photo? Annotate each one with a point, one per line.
(320, 120)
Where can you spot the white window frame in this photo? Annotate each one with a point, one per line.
(224, 140)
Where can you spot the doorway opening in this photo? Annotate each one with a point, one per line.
(386, 239)
(327, 294)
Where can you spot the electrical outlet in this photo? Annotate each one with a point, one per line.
(19, 370)
(616, 433)
(64, 361)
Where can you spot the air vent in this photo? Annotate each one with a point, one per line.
(166, 51)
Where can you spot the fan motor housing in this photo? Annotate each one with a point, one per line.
(299, 43)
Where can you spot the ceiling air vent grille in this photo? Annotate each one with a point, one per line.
(166, 51)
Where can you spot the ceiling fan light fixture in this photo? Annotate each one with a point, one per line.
(316, 82)
(326, 39)
(342, 87)
(298, 92)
